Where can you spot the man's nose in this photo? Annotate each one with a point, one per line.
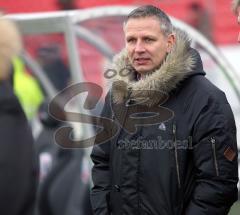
(139, 47)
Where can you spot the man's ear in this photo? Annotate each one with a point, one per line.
(171, 39)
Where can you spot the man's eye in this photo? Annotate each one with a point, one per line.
(148, 40)
(131, 40)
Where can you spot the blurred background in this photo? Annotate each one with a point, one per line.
(72, 41)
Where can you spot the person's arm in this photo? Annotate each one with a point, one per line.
(215, 160)
(101, 171)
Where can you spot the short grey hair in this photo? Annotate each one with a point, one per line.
(152, 11)
(235, 5)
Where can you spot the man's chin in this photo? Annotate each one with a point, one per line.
(143, 70)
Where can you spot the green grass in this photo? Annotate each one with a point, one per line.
(235, 210)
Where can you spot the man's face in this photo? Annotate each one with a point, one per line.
(146, 45)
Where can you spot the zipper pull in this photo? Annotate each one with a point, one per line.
(213, 141)
(174, 132)
(174, 128)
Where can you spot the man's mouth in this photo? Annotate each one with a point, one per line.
(141, 61)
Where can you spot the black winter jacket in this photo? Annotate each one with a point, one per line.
(183, 161)
(18, 164)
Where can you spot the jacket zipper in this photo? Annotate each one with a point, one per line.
(139, 159)
(138, 183)
(138, 167)
(118, 185)
(120, 132)
(213, 142)
(176, 154)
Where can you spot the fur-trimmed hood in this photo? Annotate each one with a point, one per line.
(10, 46)
(181, 62)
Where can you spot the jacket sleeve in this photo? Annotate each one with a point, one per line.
(101, 171)
(215, 159)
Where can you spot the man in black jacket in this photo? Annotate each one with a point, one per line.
(175, 149)
(18, 169)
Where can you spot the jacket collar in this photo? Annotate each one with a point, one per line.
(179, 64)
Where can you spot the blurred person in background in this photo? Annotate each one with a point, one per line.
(66, 4)
(236, 9)
(26, 88)
(18, 164)
(49, 58)
(64, 182)
(198, 17)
